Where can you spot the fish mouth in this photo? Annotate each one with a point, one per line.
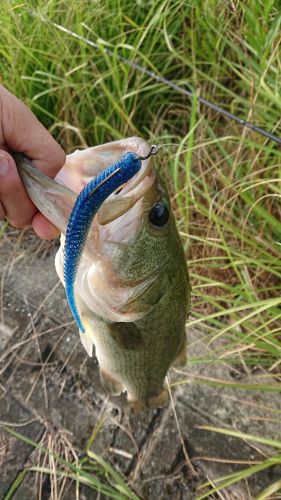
(126, 197)
(120, 216)
(82, 165)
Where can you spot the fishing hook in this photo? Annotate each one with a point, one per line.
(104, 181)
(153, 151)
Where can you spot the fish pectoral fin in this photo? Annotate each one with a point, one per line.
(87, 338)
(137, 307)
(111, 301)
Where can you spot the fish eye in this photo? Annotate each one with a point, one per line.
(159, 214)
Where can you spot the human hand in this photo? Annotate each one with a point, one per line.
(21, 131)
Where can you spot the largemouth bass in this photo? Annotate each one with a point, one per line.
(132, 287)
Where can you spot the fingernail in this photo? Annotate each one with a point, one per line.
(4, 165)
(45, 229)
(51, 233)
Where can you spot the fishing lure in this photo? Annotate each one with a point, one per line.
(85, 208)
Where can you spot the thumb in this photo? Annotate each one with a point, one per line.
(21, 131)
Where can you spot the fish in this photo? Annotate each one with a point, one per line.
(132, 286)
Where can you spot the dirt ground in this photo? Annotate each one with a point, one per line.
(50, 392)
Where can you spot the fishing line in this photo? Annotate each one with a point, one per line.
(165, 81)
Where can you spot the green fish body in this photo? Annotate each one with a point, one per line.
(132, 287)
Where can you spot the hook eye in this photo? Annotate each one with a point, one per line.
(153, 151)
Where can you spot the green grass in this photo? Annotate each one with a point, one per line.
(229, 480)
(90, 470)
(224, 179)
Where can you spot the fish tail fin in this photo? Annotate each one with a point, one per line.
(156, 401)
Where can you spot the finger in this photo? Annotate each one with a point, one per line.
(2, 212)
(21, 131)
(18, 208)
(43, 228)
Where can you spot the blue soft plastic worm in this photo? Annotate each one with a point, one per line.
(86, 206)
